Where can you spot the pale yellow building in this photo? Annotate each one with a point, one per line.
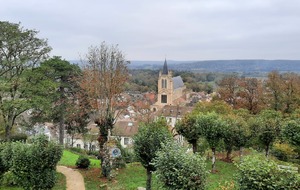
(170, 89)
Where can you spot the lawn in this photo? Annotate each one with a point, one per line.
(134, 175)
(69, 159)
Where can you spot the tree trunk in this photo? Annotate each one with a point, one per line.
(61, 130)
(7, 132)
(228, 154)
(194, 144)
(62, 118)
(213, 169)
(267, 150)
(241, 154)
(9, 125)
(149, 177)
(72, 140)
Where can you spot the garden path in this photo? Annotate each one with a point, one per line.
(74, 178)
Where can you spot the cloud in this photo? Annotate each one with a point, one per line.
(149, 30)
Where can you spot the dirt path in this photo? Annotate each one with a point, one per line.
(74, 178)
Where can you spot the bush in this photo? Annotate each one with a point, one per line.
(5, 157)
(83, 162)
(118, 163)
(19, 137)
(93, 153)
(9, 179)
(256, 172)
(77, 150)
(179, 170)
(283, 152)
(34, 165)
(127, 154)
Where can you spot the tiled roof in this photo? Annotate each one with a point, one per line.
(125, 128)
(174, 111)
(177, 82)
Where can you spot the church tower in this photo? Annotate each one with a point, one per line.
(165, 86)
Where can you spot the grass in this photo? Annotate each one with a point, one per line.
(225, 173)
(69, 159)
(134, 175)
(60, 182)
(129, 178)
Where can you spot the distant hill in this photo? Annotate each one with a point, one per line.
(222, 65)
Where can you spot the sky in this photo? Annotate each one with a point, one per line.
(158, 29)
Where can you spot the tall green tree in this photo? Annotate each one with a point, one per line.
(147, 142)
(213, 128)
(267, 126)
(291, 132)
(20, 51)
(65, 99)
(235, 134)
(189, 129)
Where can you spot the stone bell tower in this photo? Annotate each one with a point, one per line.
(165, 87)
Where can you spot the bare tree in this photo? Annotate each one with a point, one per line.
(104, 77)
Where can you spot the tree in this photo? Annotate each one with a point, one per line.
(189, 129)
(178, 170)
(250, 94)
(104, 79)
(235, 134)
(212, 126)
(63, 74)
(291, 88)
(267, 126)
(78, 111)
(291, 132)
(20, 52)
(228, 89)
(274, 89)
(147, 142)
(219, 107)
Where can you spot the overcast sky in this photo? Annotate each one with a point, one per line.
(155, 29)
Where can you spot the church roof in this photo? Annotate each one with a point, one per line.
(165, 68)
(177, 82)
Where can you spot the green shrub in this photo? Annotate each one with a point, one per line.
(93, 153)
(127, 154)
(34, 165)
(118, 162)
(257, 172)
(9, 179)
(283, 152)
(19, 137)
(77, 150)
(179, 170)
(5, 156)
(83, 162)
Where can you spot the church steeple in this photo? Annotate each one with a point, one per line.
(165, 68)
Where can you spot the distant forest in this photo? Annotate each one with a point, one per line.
(145, 80)
(203, 75)
(227, 66)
